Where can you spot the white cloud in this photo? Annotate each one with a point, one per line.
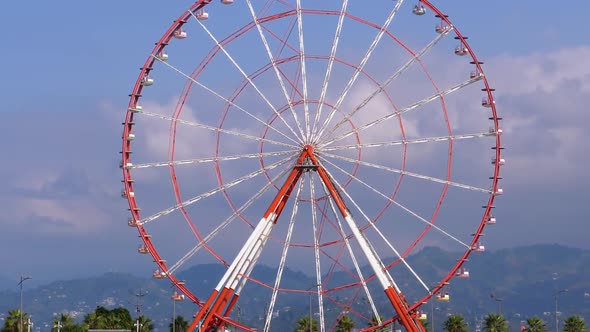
(543, 98)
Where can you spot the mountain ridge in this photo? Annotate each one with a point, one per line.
(524, 277)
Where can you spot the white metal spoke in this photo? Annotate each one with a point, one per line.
(335, 42)
(283, 259)
(374, 226)
(212, 159)
(316, 251)
(406, 109)
(226, 222)
(399, 72)
(359, 68)
(275, 67)
(217, 129)
(406, 141)
(216, 94)
(403, 208)
(351, 253)
(376, 263)
(303, 71)
(233, 61)
(408, 173)
(214, 191)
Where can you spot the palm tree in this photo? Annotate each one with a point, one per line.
(146, 324)
(574, 324)
(375, 322)
(181, 324)
(455, 323)
(304, 324)
(11, 322)
(65, 321)
(495, 323)
(535, 324)
(345, 324)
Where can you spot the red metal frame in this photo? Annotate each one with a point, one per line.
(136, 94)
(212, 313)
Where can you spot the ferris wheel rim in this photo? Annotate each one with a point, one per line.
(201, 4)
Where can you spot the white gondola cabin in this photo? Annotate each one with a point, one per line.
(135, 109)
(419, 9)
(493, 131)
(421, 315)
(227, 2)
(162, 56)
(462, 273)
(479, 247)
(159, 274)
(177, 297)
(491, 220)
(131, 222)
(442, 28)
(443, 296)
(130, 137)
(475, 74)
(126, 194)
(202, 15)
(485, 102)
(501, 162)
(143, 249)
(147, 81)
(126, 165)
(461, 50)
(180, 34)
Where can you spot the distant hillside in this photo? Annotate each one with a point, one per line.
(521, 276)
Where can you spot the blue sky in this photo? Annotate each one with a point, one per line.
(68, 69)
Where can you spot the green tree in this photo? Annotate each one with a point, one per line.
(11, 322)
(574, 324)
(374, 322)
(146, 324)
(67, 324)
(455, 323)
(495, 323)
(345, 324)
(304, 324)
(181, 324)
(535, 324)
(103, 318)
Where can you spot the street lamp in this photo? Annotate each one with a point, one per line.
(556, 295)
(499, 300)
(58, 326)
(310, 306)
(175, 297)
(29, 324)
(20, 283)
(432, 313)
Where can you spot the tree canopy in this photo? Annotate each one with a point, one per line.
(455, 323)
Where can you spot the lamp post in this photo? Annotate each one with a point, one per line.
(138, 324)
(556, 296)
(20, 283)
(310, 306)
(29, 324)
(499, 300)
(175, 297)
(58, 326)
(432, 313)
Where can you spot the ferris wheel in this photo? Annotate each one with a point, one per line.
(307, 150)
